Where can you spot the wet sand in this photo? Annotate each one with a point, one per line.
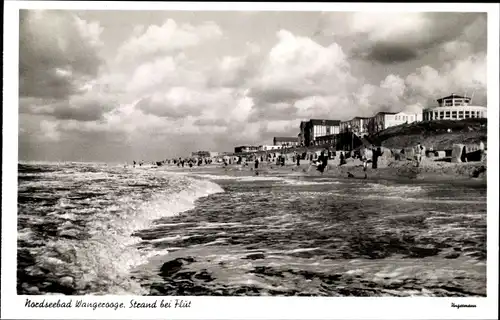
(388, 169)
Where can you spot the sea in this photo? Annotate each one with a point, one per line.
(110, 229)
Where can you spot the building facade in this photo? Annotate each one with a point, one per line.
(267, 147)
(454, 107)
(358, 125)
(384, 120)
(244, 149)
(302, 133)
(330, 139)
(314, 128)
(378, 122)
(285, 141)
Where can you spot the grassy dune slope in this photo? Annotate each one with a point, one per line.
(433, 134)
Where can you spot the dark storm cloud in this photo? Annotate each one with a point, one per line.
(76, 109)
(439, 28)
(390, 53)
(56, 56)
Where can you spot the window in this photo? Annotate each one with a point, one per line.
(467, 114)
(441, 114)
(454, 114)
(447, 114)
(460, 114)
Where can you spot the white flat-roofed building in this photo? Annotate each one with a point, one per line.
(454, 107)
(268, 147)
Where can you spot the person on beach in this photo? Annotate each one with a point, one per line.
(325, 161)
(418, 154)
(256, 165)
(342, 159)
(321, 162)
(376, 154)
(481, 150)
(365, 166)
(298, 160)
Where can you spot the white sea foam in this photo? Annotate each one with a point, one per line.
(102, 263)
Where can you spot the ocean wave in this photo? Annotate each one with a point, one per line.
(89, 245)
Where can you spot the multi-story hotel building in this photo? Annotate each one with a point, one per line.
(314, 128)
(384, 120)
(454, 107)
(358, 125)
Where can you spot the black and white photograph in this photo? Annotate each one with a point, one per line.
(253, 153)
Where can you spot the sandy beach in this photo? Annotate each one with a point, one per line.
(388, 169)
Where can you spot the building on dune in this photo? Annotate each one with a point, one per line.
(357, 125)
(384, 120)
(314, 128)
(454, 107)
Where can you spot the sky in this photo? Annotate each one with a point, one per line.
(118, 86)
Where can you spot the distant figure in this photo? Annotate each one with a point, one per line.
(282, 161)
(342, 159)
(134, 163)
(463, 157)
(418, 153)
(325, 161)
(365, 165)
(376, 154)
(298, 160)
(481, 150)
(256, 165)
(321, 162)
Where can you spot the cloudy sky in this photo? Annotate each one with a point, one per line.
(131, 85)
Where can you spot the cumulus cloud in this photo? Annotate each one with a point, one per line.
(58, 53)
(403, 36)
(80, 108)
(160, 95)
(296, 69)
(166, 39)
